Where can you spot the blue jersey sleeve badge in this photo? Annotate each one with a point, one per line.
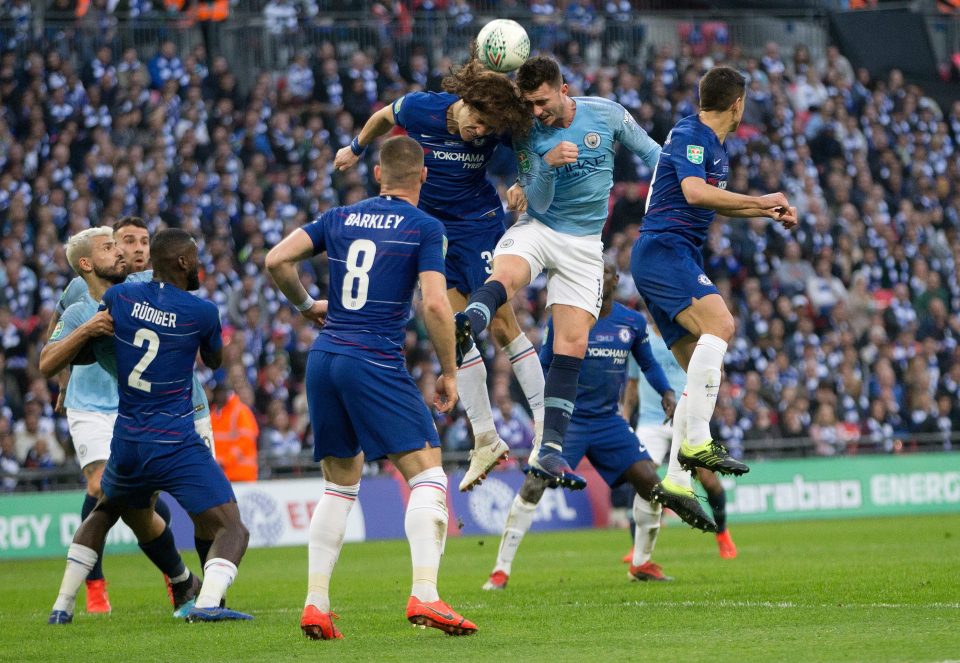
(695, 154)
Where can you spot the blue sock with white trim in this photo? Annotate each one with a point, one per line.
(89, 502)
(559, 395)
(483, 305)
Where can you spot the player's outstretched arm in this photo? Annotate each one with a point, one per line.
(438, 317)
(379, 124)
(633, 137)
(63, 348)
(282, 264)
(700, 194)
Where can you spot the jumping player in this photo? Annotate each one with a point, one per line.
(155, 445)
(688, 189)
(363, 404)
(655, 432)
(566, 173)
(598, 432)
(459, 130)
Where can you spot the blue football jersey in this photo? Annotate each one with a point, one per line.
(376, 250)
(457, 188)
(692, 149)
(575, 198)
(614, 338)
(651, 412)
(158, 330)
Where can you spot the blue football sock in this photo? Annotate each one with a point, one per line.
(89, 501)
(484, 303)
(203, 549)
(559, 394)
(718, 504)
(162, 551)
(163, 510)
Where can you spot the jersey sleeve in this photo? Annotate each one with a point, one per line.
(315, 230)
(406, 109)
(433, 248)
(71, 319)
(643, 353)
(71, 294)
(546, 346)
(212, 340)
(687, 154)
(536, 177)
(106, 302)
(633, 368)
(633, 137)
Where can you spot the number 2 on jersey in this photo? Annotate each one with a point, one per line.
(149, 338)
(358, 274)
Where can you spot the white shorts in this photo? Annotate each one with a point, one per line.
(656, 438)
(574, 265)
(91, 433)
(205, 430)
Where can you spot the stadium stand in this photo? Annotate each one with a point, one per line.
(848, 328)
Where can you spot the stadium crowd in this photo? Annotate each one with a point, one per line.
(847, 327)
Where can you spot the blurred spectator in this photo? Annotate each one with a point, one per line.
(9, 463)
(278, 438)
(34, 428)
(235, 434)
(512, 422)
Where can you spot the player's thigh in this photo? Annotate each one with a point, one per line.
(575, 272)
(470, 248)
(613, 448)
(333, 432)
(412, 463)
(91, 433)
(384, 407)
(190, 474)
(708, 315)
(571, 329)
(668, 272)
(146, 524)
(521, 254)
(655, 439)
(343, 471)
(204, 428)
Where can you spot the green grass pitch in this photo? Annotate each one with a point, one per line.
(857, 590)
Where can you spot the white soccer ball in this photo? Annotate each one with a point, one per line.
(503, 45)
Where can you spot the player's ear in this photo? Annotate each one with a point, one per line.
(376, 173)
(423, 175)
(564, 88)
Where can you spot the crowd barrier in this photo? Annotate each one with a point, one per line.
(277, 513)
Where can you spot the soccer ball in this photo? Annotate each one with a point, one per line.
(503, 45)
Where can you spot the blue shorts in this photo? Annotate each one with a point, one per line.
(356, 406)
(187, 470)
(668, 271)
(470, 246)
(607, 442)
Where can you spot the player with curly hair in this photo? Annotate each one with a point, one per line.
(459, 129)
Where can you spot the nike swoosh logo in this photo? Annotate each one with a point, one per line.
(445, 615)
(718, 161)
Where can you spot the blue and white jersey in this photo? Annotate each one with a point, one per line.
(85, 390)
(376, 250)
(91, 388)
(651, 413)
(157, 331)
(457, 188)
(574, 198)
(619, 335)
(692, 149)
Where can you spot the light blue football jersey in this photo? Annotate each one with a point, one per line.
(651, 413)
(574, 198)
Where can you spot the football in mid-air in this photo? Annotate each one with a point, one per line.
(503, 45)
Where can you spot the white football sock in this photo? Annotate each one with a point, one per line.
(703, 383)
(646, 515)
(80, 560)
(518, 523)
(327, 527)
(526, 366)
(426, 527)
(218, 575)
(675, 473)
(472, 385)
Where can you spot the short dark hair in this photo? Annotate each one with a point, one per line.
(167, 246)
(130, 221)
(536, 71)
(720, 87)
(401, 160)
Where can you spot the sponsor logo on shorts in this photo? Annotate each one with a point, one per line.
(592, 140)
(506, 244)
(262, 516)
(704, 280)
(695, 154)
(82, 450)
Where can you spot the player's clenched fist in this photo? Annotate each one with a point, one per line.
(565, 152)
(445, 393)
(100, 324)
(774, 203)
(788, 218)
(345, 159)
(516, 200)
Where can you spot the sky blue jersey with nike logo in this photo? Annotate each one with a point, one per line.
(574, 198)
